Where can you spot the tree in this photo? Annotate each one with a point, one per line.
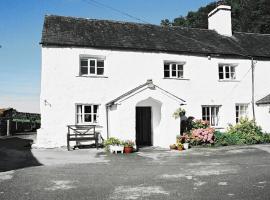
(247, 16)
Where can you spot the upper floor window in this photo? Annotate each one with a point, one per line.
(226, 72)
(86, 113)
(211, 114)
(92, 66)
(241, 111)
(173, 70)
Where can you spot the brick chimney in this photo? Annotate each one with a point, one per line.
(220, 20)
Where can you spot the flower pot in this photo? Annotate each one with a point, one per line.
(128, 149)
(186, 145)
(173, 147)
(180, 148)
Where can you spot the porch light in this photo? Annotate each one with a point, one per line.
(151, 85)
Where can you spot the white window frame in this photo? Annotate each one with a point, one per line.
(231, 72)
(82, 114)
(241, 111)
(213, 110)
(89, 59)
(177, 71)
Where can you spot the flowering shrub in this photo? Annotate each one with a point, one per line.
(202, 136)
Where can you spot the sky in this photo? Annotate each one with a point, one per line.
(20, 33)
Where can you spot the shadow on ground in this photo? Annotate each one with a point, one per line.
(15, 153)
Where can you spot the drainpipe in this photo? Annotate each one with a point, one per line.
(253, 88)
(107, 120)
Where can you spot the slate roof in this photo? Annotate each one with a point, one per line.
(105, 34)
(265, 100)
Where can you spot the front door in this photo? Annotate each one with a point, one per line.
(143, 126)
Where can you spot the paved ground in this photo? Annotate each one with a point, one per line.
(215, 173)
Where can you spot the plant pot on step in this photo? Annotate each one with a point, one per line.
(128, 149)
(186, 146)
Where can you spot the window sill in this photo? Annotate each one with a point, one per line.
(92, 76)
(228, 80)
(183, 79)
(218, 127)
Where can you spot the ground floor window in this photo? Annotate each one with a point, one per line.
(241, 111)
(87, 113)
(211, 114)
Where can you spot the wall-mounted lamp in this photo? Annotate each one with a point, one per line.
(46, 103)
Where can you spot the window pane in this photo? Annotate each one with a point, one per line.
(79, 109)
(227, 69)
(100, 71)
(173, 73)
(92, 70)
(84, 63)
(220, 69)
(92, 63)
(166, 74)
(203, 111)
(87, 109)
(173, 66)
(227, 75)
(180, 67)
(95, 109)
(180, 74)
(100, 63)
(166, 67)
(221, 76)
(95, 118)
(87, 118)
(79, 119)
(84, 70)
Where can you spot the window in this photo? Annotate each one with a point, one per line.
(92, 66)
(241, 111)
(173, 70)
(210, 114)
(86, 114)
(226, 72)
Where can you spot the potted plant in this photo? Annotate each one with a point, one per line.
(173, 147)
(179, 113)
(113, 145)
(184, 140)
(128, 146)
(180, 146)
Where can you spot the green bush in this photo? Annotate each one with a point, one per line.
(245, 132)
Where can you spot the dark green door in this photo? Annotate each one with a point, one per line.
(143, 126)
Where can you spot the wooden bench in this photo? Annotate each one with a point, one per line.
(81, 133)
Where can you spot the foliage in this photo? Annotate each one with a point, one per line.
(200, 124)
(179, 146)
(178, 113)
(247, 16)
(128, 143)
(111, 141)
(245, 132)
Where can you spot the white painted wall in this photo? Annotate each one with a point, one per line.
(62, 88)
(220, 20)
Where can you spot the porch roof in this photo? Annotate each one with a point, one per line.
(265, 100)
(150, 85)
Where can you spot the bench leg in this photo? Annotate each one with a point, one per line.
(68, 145)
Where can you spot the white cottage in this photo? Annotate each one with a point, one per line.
(129, 78)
